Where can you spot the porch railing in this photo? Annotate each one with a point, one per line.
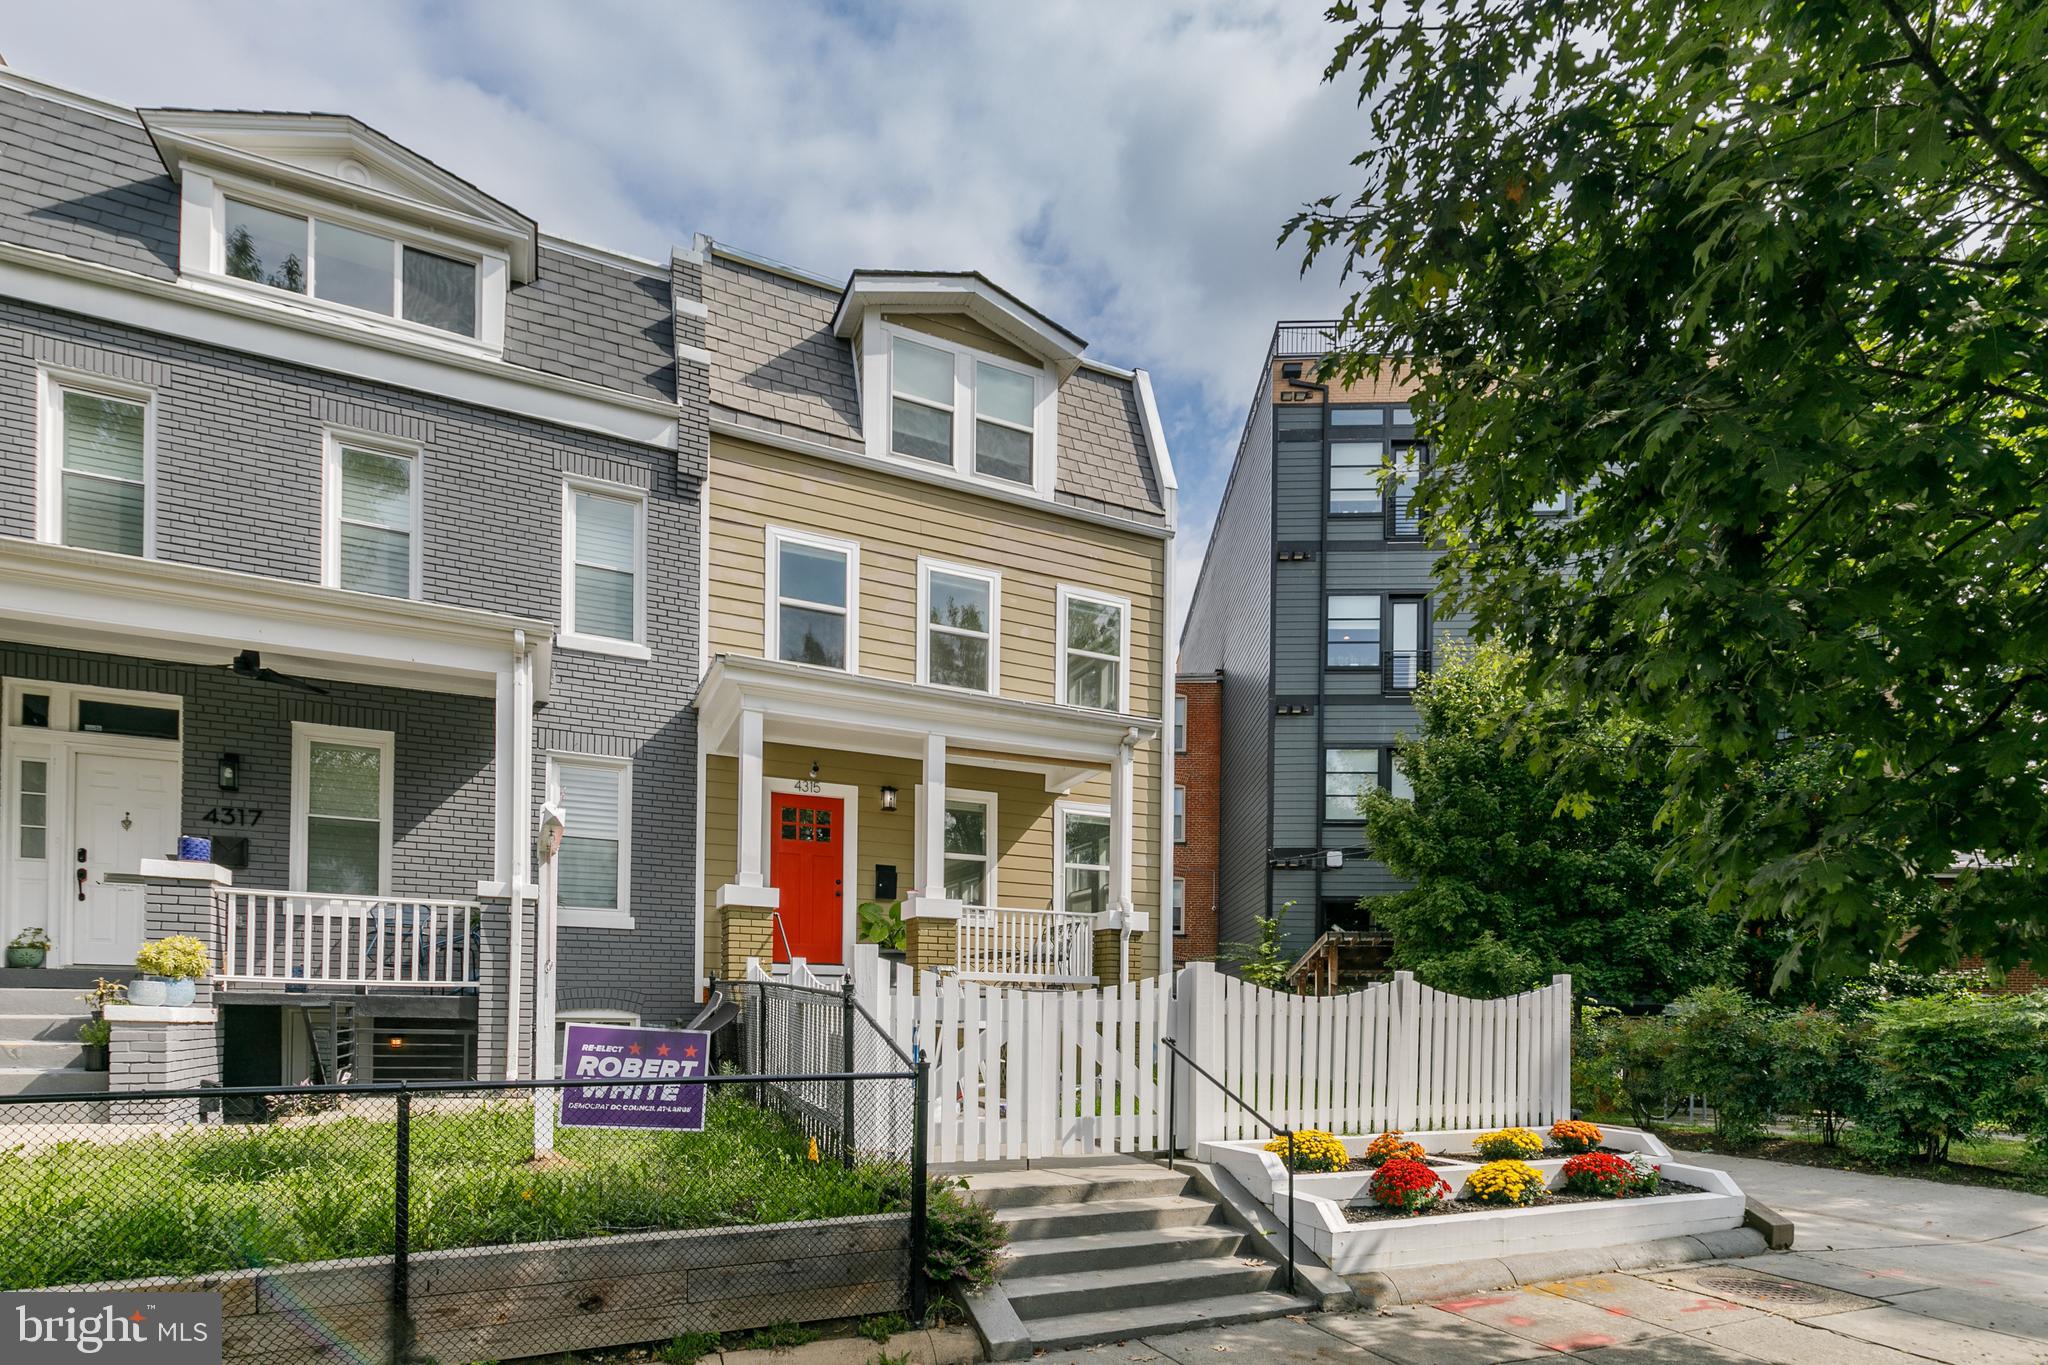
(298, 938)
(1054, 947)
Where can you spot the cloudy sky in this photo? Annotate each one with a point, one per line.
(1123, 166)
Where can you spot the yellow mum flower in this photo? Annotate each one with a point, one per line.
(1508, 1144)
(1314, 1150)
(1506, 1182)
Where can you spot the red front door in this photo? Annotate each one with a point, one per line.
(807, 865)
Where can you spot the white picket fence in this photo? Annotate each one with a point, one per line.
(1394, 1055)
(1022, 1073)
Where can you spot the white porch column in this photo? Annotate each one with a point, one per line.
(749, 886)
(515, 810)
(1120, 842)
(931, 901)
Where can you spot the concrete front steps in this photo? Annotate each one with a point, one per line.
(39, 1048)
(1114, 1250)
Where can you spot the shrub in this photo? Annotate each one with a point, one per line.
(963, 1239)
(1631, 1063)
(1722, 1051)
(1945, 1066)
(1314, 1150)
(1508, 1144)
(1575, 1135)
(1604, 1173)
(180, 956)
(1392, 1146)
(1408, 1185)
(1823, 1068)
(1507, 1182)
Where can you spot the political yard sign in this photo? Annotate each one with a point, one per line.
(640, 1077)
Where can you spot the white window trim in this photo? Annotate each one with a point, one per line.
(203, 258)
(1180, 724)
(608, 1018)
(878, 372)
(961, 796)
(570, 638)
(1180, 814)
(1178, 905)
(331, 442)
(1061, 811)
(771, 601)
(1067, 594)
(925, 569)
(51, 385)
(304, 735)
(579, 917)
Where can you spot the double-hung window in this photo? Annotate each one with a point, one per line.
(960, 612)
(1003, 402)
(604, 591)
(97, 476)
(1180, 905)
(341, 799)
(593, 867)
(1352, 634)
(921, 401)
(970, 842)
(373, 527)
(1084, 860)
(366, 271)
(813, 589)
(1180, 815)
(1348, 774)
(1180, 725)
(1094, 639)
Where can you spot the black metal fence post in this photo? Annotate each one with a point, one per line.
(846, 1143)
(401, 1233)
(920, 1290)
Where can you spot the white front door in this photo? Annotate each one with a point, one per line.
(124, 809)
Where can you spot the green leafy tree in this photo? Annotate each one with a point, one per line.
(1263, 963)
(1520, 871)
(1761, 287)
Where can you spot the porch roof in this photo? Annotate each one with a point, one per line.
(87, 599)
(803, 704)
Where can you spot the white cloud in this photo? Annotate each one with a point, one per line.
(1125, 167)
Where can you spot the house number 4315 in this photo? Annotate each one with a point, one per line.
(234, 815)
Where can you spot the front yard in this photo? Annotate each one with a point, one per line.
(195, 1200)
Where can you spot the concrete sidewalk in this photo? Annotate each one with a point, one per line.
(1885, 1272)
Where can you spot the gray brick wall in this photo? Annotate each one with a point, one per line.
(90, 186)
(160, 1057)
(238, 458)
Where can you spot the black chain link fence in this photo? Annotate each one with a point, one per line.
(416, 1223)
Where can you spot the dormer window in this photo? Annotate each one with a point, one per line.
(368, 271)
(321, 218)
(959, 375)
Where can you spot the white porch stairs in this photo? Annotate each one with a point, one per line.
(1116, 1249)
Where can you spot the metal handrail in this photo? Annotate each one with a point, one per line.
(1173, 1140)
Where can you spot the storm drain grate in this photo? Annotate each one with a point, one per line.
(1759, 1290)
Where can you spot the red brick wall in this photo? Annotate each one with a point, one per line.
(1199, 769)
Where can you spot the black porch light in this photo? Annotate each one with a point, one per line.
(888, 798)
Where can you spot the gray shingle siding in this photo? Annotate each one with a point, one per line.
(777, 366)
(90, 186)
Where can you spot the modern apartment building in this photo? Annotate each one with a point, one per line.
(1314, 606)
(344, 513)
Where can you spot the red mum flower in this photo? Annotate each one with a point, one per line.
(1408, 1185)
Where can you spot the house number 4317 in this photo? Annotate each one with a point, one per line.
(234, 815)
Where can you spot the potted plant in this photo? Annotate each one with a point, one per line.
(28, 948)
(168, 971)
(882, 924)
(94, 1035)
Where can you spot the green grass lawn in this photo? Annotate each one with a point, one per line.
(209, 1199)
(1997, 1163)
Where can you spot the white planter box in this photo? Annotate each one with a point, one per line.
(1354, 1248)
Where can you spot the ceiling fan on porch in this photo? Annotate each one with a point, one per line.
(249, 664)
